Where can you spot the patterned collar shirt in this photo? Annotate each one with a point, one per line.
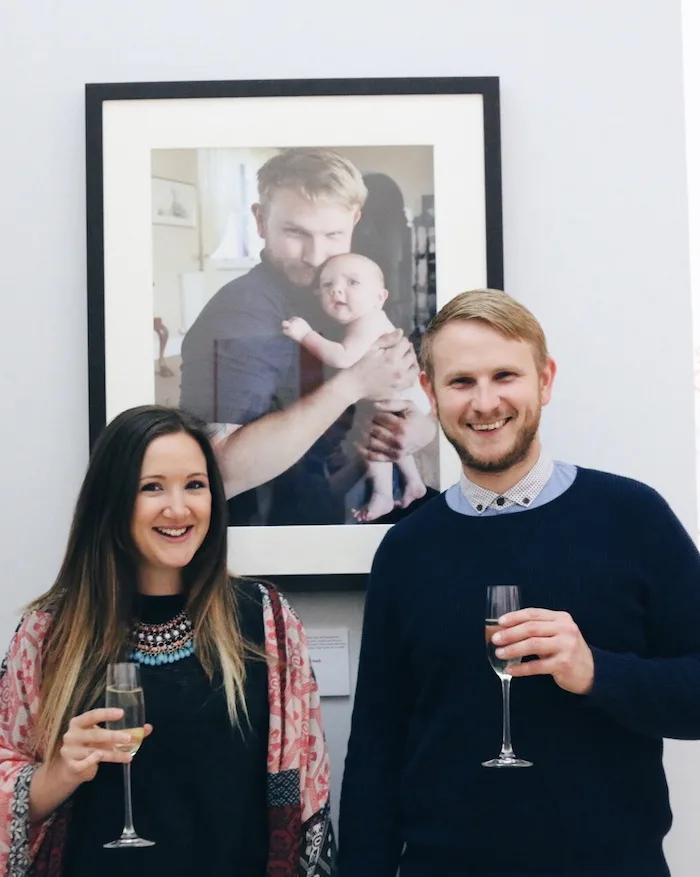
(522, 494)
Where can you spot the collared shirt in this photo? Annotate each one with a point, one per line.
(544, 482)
(522, 493)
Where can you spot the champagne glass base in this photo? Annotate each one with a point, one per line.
(126, 842)
(506, 761)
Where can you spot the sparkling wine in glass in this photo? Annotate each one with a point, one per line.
(499, 600)
(124, 691)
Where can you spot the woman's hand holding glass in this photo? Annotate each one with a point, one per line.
(85, 744)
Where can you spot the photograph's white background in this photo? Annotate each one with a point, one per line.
(595, 215)
(132, 129)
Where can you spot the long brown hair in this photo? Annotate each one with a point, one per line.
(93, 599)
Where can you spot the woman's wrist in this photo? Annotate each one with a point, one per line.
(51, 784)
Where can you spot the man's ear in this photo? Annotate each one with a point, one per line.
(427, 386)
(547, 380)
(259, 214)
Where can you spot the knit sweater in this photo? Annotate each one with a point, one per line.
(428, 706)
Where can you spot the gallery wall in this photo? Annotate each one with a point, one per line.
(595, 222)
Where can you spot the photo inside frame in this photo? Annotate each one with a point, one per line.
(209, 256)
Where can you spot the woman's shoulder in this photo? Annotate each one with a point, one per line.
(32, 628)
(248, 591)
(25, 645)
(250, 608)
(276, 610)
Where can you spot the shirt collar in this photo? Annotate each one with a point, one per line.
(522, 493)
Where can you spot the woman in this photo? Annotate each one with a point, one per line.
(232, 777)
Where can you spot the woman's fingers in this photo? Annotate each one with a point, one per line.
(94, 717)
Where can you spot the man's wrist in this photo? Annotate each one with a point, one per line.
(345, 384)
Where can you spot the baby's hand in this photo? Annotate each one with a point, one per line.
(296, 328)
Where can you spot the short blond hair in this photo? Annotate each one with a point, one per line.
(314, 173)
(496, 309)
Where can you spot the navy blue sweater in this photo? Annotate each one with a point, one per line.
(428, 706)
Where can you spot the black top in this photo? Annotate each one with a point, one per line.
(198, 785)
(427, 707)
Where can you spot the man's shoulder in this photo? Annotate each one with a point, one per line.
(253, 287)
(610, 487)
(255, 297)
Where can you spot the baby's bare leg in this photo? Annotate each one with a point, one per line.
(382, 500)
(415, 487)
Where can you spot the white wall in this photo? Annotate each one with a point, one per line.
(594, 213)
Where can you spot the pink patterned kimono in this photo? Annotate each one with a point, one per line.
(301, 836)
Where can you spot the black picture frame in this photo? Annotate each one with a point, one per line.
(100, 98)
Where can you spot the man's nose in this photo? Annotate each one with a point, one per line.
(485, 398)
(314, 253)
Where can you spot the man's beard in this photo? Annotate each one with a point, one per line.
(524, 438)
(295, 272)
(299, 275)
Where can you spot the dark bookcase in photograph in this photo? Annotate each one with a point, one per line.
(424, 266)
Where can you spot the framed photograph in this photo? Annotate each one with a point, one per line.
(249, 243)
(173, 203)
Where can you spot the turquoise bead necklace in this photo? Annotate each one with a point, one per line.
(155, 644)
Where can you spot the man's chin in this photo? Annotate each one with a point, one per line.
(492, 463)
(300, 276)
(492, 466)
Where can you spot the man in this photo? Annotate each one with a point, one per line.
(611, 634)
(279, 422)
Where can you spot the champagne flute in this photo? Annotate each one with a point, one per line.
(499, 600)
(124, 691)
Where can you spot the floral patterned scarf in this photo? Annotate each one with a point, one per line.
(298, 785)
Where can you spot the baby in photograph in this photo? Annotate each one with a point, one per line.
(352, 293)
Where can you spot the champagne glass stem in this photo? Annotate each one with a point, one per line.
(506, 747)
(128, 815)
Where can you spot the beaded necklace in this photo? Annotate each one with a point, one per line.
(162, 643)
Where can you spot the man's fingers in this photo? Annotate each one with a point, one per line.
(374, 455)
(388, 408)
(380, 449)
(544, 667)
(393, 421)
(548, 645)
(526, 630)
(390, 339)
(520, 616)
(381, 437)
